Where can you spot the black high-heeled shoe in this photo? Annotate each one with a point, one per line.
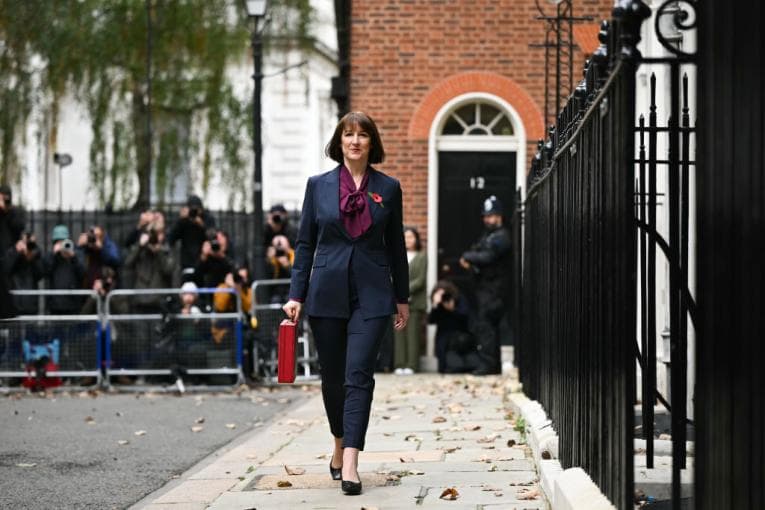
(351, 488)
(337, 473)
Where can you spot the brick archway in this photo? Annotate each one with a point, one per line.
(476, 81)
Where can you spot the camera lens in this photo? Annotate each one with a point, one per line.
(215, 245)
(153, 237)
(277, 218)
(67, 245)
(193, 212)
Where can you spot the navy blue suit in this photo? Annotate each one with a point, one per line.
(350, 288)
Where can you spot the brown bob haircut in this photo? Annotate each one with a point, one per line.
(334, 148)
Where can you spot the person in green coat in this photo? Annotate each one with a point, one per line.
(408, 340)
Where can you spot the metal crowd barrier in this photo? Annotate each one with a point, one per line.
(148, 342)
(268, 298)
(45, 348)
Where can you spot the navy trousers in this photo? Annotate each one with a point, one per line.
(348, 350)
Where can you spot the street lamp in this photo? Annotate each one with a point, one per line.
(256, 10)
(62, 160)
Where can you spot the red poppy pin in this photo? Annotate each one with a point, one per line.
(377, 199)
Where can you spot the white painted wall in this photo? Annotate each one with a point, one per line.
(298, 117)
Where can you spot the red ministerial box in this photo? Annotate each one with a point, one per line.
(287, 347)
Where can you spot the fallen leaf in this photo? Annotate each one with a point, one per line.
(510, 443)
(415, 472)
(140, 432)
(197, 428)
(488, 439)
(493, 468)
(199, 420)
(490, 488)
(283, 483)
(528, 494)
(439, 419)
(250, 469)
(455, 408)
(368, 508)
(323, 456)
(90, 420)
(294, 471)
(387, 434)
(452, 449)
(413, 437)
(123, 442)
(470, 428)
(26, 464)
(450, 494)
(231, 426)
(546, 455)
(406, 459)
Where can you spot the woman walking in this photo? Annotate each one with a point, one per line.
(350, 273)
(409, 340)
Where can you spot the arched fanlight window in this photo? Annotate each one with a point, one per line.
(480, 119)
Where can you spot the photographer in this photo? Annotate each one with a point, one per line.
(63, 271)
(105, 283)
(148, 220)
(455, 345)
(96, 251)
(281, 257)
(22, 266)
(191, 230)
(214, 263)
(278, 223)
(11, 220)
(240, 281)
(152, 267)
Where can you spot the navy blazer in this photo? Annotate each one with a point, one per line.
(324, 250)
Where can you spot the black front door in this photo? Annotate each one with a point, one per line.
(466, 179)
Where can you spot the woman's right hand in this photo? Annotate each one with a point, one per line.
(293, 309)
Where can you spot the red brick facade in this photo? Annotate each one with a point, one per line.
(410, 57)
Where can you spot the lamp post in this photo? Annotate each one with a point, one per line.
(62, 160)
(256, 10)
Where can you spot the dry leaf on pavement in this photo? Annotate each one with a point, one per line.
(470, 428)
(488, 439)
(231, 426)
(528, 494)
(450, 494)
(406, 459)
(140, 433)
(90, 420)
(197, 428)
(199, 420)
(294, 471)
(439, 419)
(26, 464)
(283, 483)
(123, 442)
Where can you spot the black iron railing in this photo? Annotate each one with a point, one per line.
(578, 305)
(119, 224)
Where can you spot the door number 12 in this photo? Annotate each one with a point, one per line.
(477, 182)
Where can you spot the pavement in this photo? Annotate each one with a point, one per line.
(434, 441)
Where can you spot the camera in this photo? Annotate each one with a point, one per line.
(280, 252)
(31, 244)
(67, 245)
(153, 236)
(277, 219)
(446, 296)
(215, 245)
(91, 237)
(194, 212)
(238, 278)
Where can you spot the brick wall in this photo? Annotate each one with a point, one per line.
(409, 57)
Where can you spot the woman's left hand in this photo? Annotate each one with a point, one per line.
(402, 316)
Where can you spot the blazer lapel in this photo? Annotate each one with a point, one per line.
(373, 186)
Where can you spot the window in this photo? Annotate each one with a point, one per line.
(478, 119)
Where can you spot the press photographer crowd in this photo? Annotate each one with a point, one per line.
(193, 253)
